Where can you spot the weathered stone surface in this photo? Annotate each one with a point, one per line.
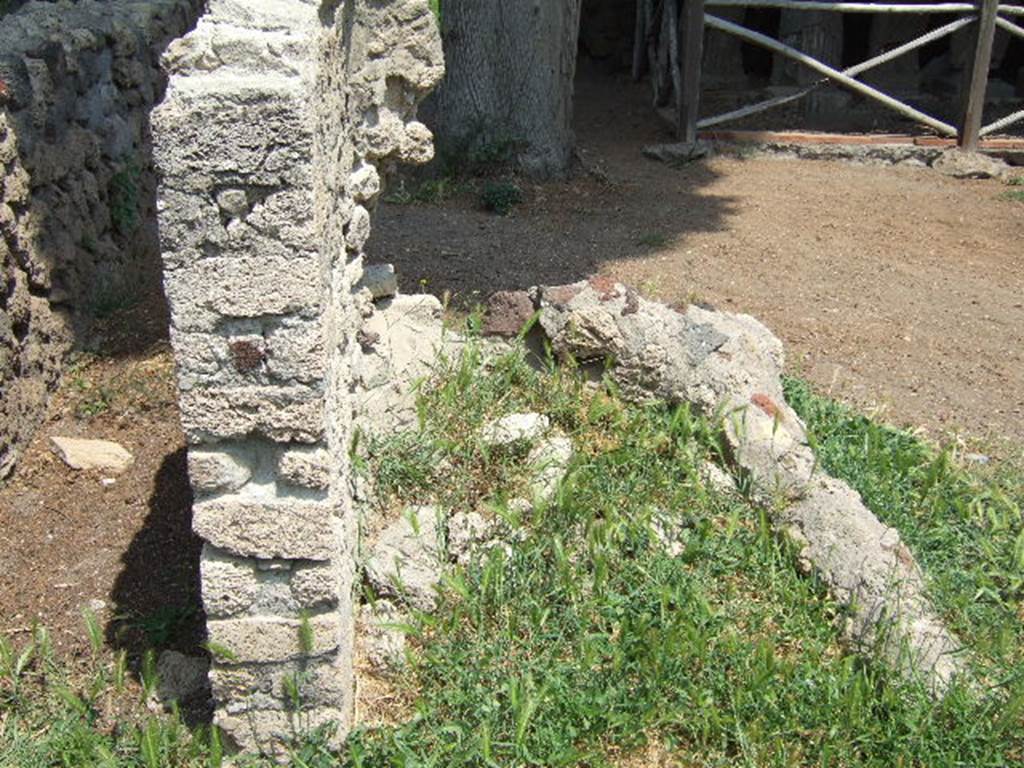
(666, 531)
(716, 478)
(467, 531)
(283, 414)
(407, 336)
(868, 568)
(379, 280)
(731, 365)
(83, 454)
(259, 687)
(267, 142)
(507, 314)
(515, 428)
(217, 471)
(715, 361)
(77, 219)
(269, 731)
(549, 461)
(264, 639)
(230, 584)
(307, 468)
(383, 641)
(406, 560)
(239, 586)
(267, 528)
(318, 586)
(181, 678)
(970, 165)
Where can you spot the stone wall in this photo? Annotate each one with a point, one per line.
(77, 192)
(277, 117)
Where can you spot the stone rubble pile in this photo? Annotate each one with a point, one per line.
(406, 560)
(729, 368)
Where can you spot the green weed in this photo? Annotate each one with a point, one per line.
(637, 606)
(656, 240)
(429, 192)
(500, 197)
(965, 528)
(124, 198)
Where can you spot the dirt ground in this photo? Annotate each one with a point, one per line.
(120, 546)
(892, 287)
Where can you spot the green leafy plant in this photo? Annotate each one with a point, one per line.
(124, 198)
(655, 240)
(500, 196)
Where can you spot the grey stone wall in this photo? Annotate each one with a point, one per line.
(77, 191)
(278, 114)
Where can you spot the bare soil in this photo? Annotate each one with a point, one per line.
(121, 546)
(892, 287)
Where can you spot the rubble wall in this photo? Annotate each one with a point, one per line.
(77, 190)
(278, 114)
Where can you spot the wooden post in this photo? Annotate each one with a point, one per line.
(691, 22)
(976, 76)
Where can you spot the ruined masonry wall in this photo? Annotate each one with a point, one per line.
(77, 191)
(277, 117)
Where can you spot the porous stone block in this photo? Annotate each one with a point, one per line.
(229, 583)
(270, 528)
(515, 428)
(234, 129)
(318, 586)
(236, 586)
(296, 351)
(255, 687)
(364, 183)
(270, 731)
(268, 639)
(80, 453)
(217, 471)
(379, 280)
(264, 279)
(307, 468)
(282, 414)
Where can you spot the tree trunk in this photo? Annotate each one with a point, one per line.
(508, 89)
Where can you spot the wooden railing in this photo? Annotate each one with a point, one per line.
(680, 25)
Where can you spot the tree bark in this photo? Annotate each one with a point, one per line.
(509, 82)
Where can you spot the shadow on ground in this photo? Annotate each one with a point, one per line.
(615, 205)
(157, 593)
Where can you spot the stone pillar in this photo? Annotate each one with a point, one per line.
(277, 113)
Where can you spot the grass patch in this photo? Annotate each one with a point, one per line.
(429, 192)
(1013, 195)
(92, 714)
(964, 527)
(95, 386)
(589, 638)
